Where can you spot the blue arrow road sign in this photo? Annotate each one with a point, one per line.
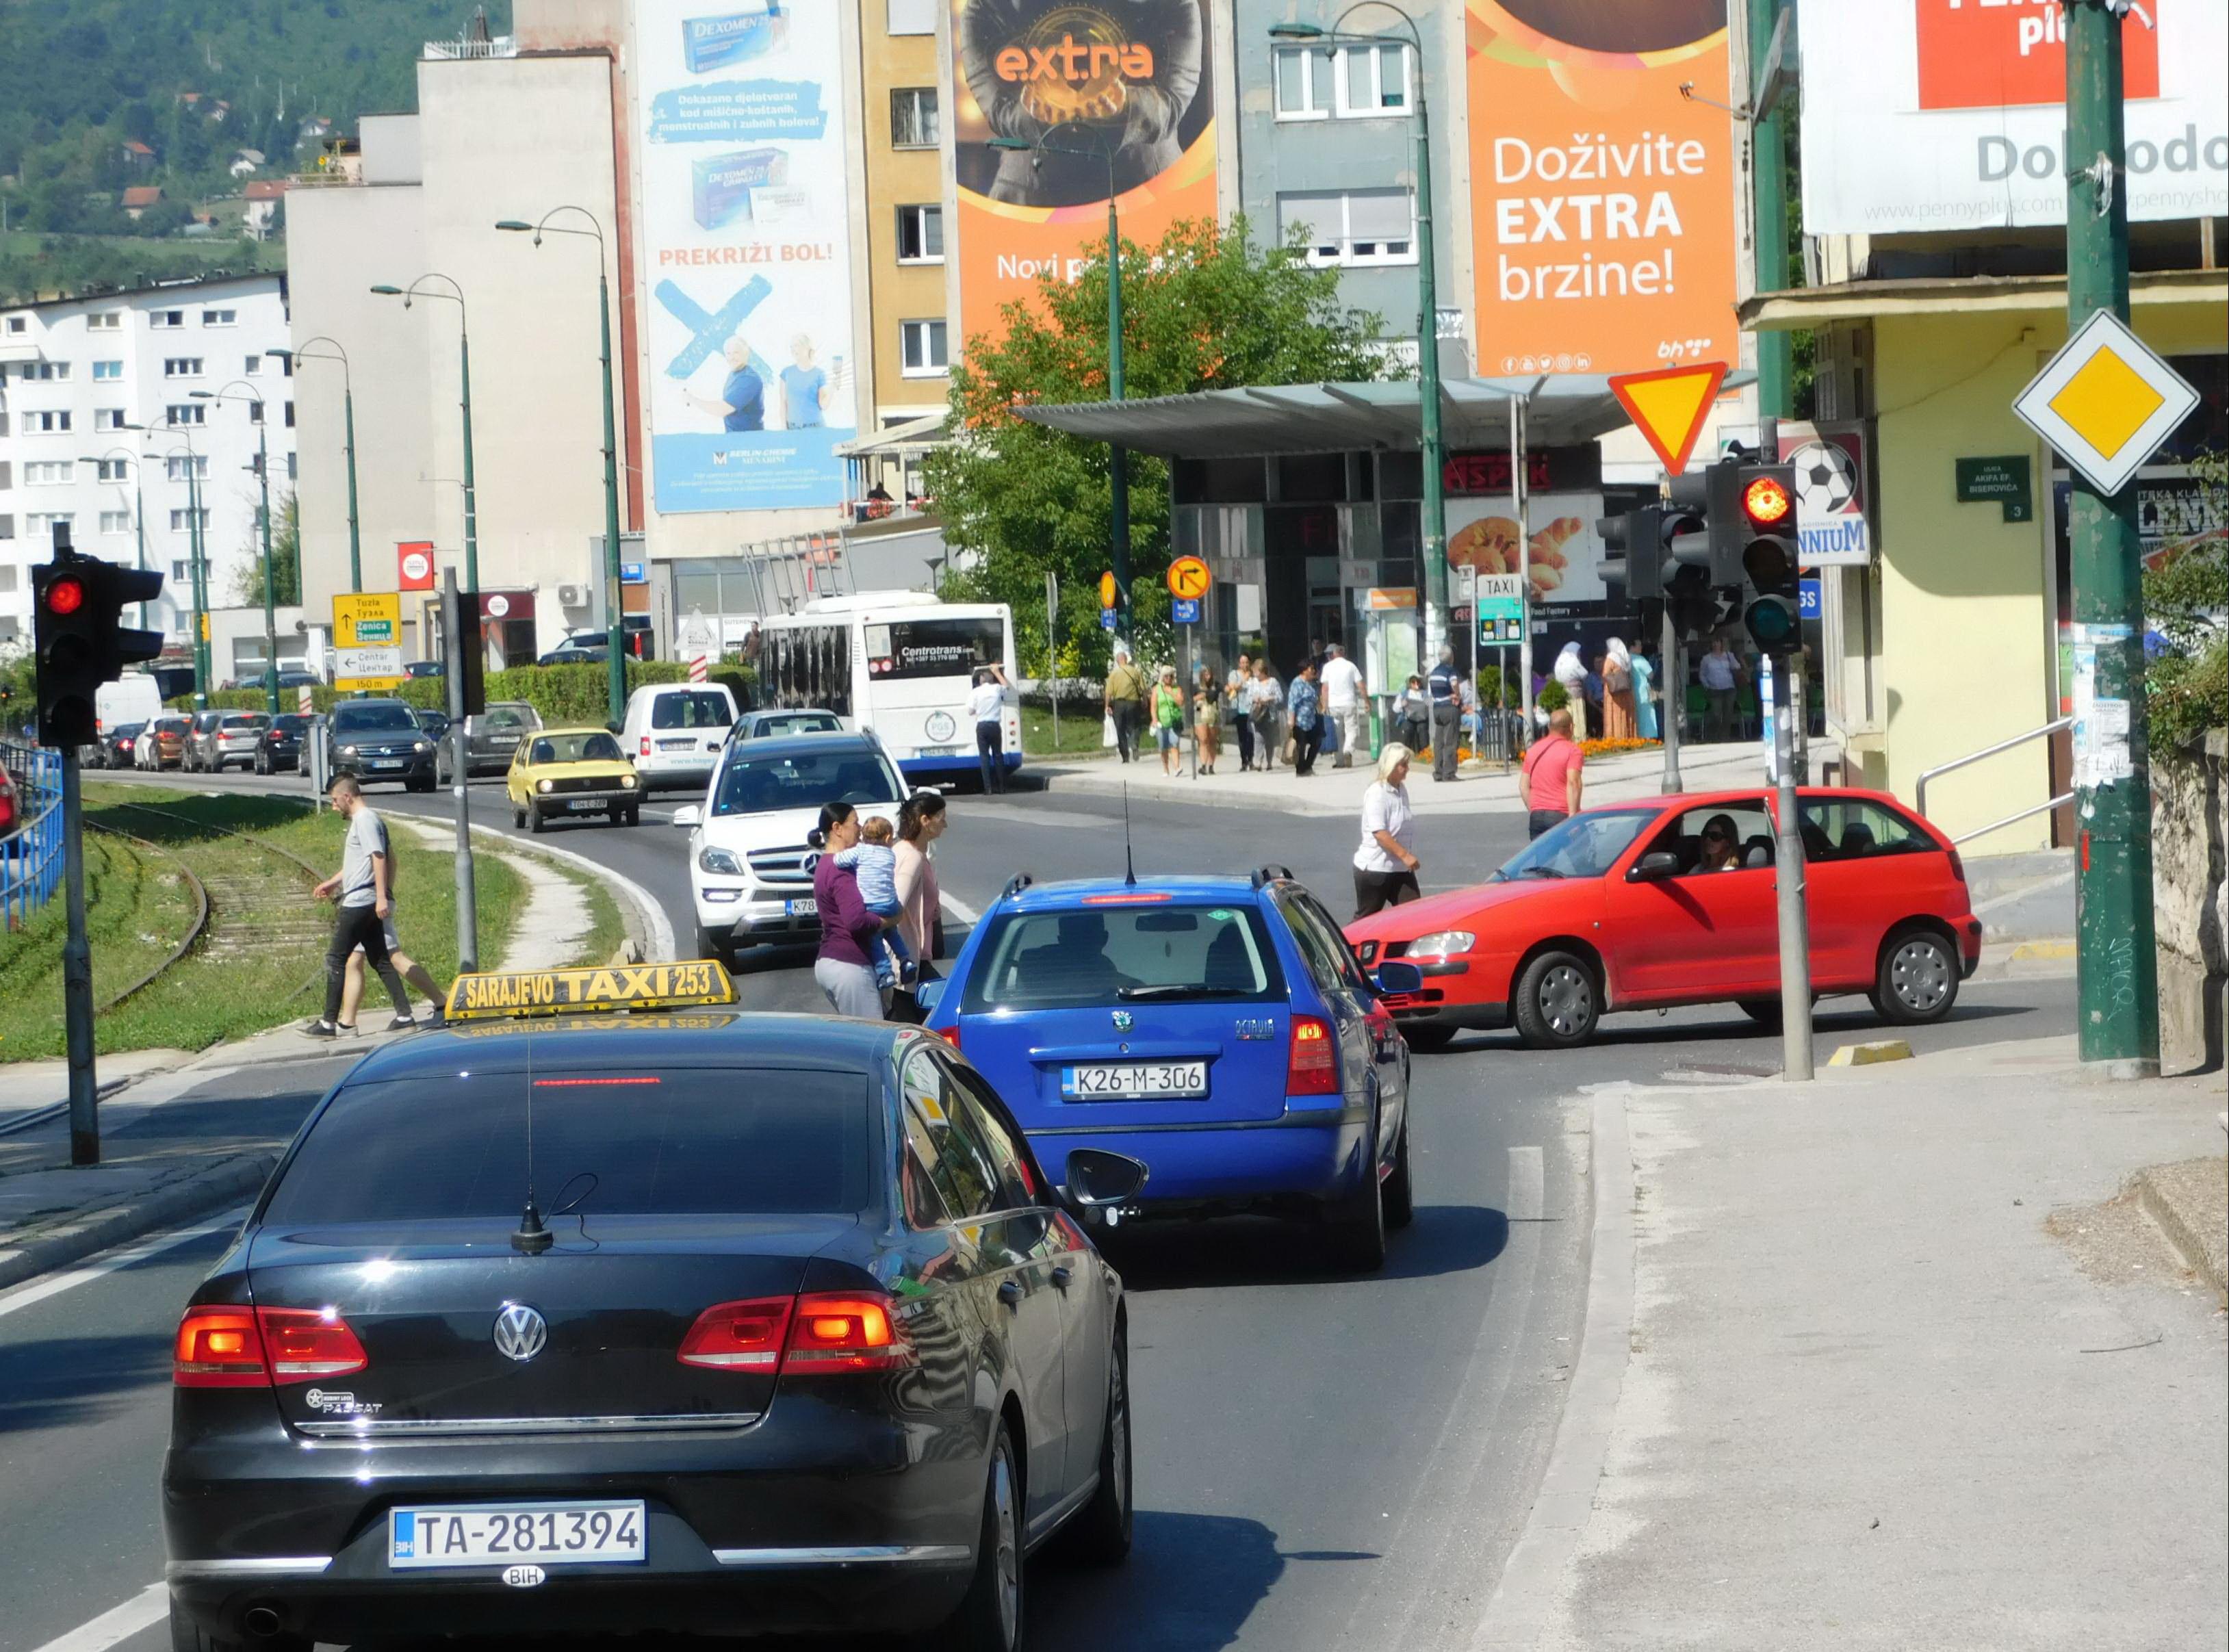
(1806, 600)
(1184, 610)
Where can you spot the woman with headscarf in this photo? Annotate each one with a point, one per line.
(1618, 720)
(1571, 670)
(1644, 697)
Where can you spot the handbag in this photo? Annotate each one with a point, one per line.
(1292, 748)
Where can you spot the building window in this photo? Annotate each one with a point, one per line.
(184, 412)
(18, 325)
(253, 366)
(108, 418)
(45, 522)
(290, 414)
(166, 317)
(7, 480)
(920, 235)
(112, 470)
(46, 424)
(7, 569)
(180, 520)
(186, 467)
(1373, 81)
(1303, 76)
(116, 522)
(292, 475)
(912, 118)
(108, 369)
(46, 372)
(255, 413)
(1351, 227)
(48, 474)
(220, 318)
(182, 572)
(105, 321)
(8, 530)
(181, 367)
(911, 17)
(921, 349)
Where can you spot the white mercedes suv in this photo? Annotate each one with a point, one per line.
(750, 871)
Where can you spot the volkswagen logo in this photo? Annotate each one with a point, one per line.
(939, 727)
(1124, 1020)
(520, 1333)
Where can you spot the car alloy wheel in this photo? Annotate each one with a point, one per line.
(989, 1617)
(1008, 1525)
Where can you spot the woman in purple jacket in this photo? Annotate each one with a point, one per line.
(847, 928)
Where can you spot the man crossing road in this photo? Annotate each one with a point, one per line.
(359, 892)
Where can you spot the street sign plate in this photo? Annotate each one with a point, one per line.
(1184, 611)
(2105, 402)
(377, 668)
(1188, 577)
(1500, 597)
(1106, 618)
(370, 619)
(1669, 406)
(1807, 600)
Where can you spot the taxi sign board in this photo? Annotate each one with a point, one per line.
(585, 990)
(2105, 402)
(1189, 578)
(1669, 406)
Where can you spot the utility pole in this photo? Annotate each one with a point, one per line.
(458, 635)
(270, 596)
(2117, 963)
(77, 975)
(1776, 350)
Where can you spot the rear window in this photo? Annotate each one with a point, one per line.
(913, 648)
(656, 1142)
(797, 723)
(244, 723)
(694, 709)
(1124, 954)
(290, 722)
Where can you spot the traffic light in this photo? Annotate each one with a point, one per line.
(1635, 546)
(1710, 535)
(77, 604)
(1767, 498)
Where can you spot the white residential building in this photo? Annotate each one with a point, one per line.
(76, 376)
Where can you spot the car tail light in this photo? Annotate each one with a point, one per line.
(832, 1332)
(738, 1336)
(1957, 867)
(304, 1344)
(950, 1034)
(241, 1347)
(645, 745)
(1312, 1068)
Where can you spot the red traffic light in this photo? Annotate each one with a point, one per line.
(1765, 501)
(65, 595)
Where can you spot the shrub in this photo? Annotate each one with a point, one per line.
(1553, 696)
(560, 694)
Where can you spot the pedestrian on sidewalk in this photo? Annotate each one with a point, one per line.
(1168, 721)
(849, 931)
(1412, 715)
(1126, 701)
(1301, 704)
(1385, 865)
(1549, 780)
(1445, 688)
(358, 892)
(1618, 720)
(413, 972)
(1720, 673)
(1644, 698)
(1207, 719)
(1234, 697)
(921, 821)
(1571, 672)
(1342, 705)
(988, 699)
(1592, 688)
(1265, 706)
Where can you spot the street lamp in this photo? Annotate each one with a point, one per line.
(614, 650)
(198, 563)
(1436, 618)
(455, 295)
(254, 399)
(138, 462)
(304, 353)
(1118, 456)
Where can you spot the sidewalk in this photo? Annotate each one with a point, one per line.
(1903, 1366)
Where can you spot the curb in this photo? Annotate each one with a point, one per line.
(1526, 1605)
(651, 927)
(72, 1238)
(2186, 1243)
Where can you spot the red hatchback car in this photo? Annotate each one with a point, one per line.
(1672, 900)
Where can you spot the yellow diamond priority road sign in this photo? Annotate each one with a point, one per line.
(2105, 402)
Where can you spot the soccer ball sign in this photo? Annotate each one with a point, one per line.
(1825, 478)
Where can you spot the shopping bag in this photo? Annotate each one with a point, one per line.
(1107, 731)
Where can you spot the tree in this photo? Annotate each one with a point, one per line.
(1205, 310)
(285, 559)
(2187, 673)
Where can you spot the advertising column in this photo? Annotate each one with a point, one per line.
(1603, 199)
(1133, 82)
(746, 244)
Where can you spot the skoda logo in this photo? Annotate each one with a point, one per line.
(939, 726)
(520, 1332)
(1124, 1020)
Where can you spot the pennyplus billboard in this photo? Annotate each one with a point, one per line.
(745, 249)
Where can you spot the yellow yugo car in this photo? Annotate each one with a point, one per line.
(571, 771)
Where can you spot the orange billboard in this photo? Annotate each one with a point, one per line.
(1103, 95)
(1976, 55)
(1602, 200)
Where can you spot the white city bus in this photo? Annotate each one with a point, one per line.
(900, 663)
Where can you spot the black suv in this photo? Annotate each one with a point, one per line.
(376, 740)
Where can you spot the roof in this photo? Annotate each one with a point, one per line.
(1801, 307)
(1562, 410)
(907, 436)
(267, 189)
(723, 1034)
(136, 147)
(142, 195)
(1070, 894)
(806, 744)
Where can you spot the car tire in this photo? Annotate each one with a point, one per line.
(262, 763)
(1557, 1001)
(1357, 1223)
(1765, 1012)
(634, 814)
(518, 818)
(534, 820)
(1917, 980)
(1400, 1193)
(990, 1616)
(1099, 1534)
(186, 1635)
(1429, 1035)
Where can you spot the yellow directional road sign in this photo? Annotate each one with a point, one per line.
(2106, 402)
(367, 641)
(1188, 578)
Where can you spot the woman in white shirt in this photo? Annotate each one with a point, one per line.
(1385, 865)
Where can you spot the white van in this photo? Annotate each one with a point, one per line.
(674, 731)
(131, 698)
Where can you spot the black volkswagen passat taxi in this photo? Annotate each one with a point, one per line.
(710, 1321)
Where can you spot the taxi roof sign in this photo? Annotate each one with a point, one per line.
(510, 993)
(2105, 402)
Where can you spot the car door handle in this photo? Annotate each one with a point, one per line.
(1011, 1294)
(1062, 1275)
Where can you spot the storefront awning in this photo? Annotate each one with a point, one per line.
(893, 441)
(1562, 410)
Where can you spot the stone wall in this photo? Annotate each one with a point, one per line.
(2190, 842)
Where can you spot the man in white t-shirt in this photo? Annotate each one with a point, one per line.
(987, 700)
(359, 892)
(1341, 682)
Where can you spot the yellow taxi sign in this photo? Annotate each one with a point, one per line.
(586, 991)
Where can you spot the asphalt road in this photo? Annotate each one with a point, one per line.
(1324, 1461)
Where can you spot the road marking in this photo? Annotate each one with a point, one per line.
(138, 1250)
(960, 909)
(150, 1606)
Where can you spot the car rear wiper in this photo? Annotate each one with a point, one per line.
(1178, 989)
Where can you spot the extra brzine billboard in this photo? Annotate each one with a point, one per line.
(746, 250)
(1602, 200)
(1951, 115)
(1105, 93)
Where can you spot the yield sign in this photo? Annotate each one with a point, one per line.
(2105, 402)
(1669, 405)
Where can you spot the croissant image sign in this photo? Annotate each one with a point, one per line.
(1563, 557)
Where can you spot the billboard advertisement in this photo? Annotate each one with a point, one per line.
(746, 250)
(1566, 552)
(1951, 115)
(1123, 94)
(1603, 200)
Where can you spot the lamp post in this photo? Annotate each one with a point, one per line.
(1437, 622)
(614, 650)
(263, 480)
(1118, 457)
(198, 563)
(455, 295)
(138, 498)
(304, 353)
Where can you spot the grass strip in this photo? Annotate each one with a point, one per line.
(1081, 730)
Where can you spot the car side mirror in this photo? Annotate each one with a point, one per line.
(687, 815)
(1396, 976)
(1657, 863)
(928, 994)
(1099, 1180)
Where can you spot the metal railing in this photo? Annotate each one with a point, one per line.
(1919, 787)
(31, 858)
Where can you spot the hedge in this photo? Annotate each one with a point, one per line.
(560, 694)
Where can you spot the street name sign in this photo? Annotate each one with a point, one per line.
(2105, 402)
(2001, 477)
(1669, 406)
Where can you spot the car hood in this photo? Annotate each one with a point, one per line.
(778, 828)
(1458, 908)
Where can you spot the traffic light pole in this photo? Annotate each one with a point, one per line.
(269, 604)
(77, 975)
(1675, 692)
(1788, 868)
(453, 647)
(2117, 962)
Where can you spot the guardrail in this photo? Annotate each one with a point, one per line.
(1919, 787)
(31, 856)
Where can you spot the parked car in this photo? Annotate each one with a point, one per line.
(673, 732)
(419, 669)
(581, 648)
(197, 726)
(116, 746)
(490, 738)
(11, 813)
(298, 679)
(280, 748)
(376, 740)
(162, 743)
(224, 738)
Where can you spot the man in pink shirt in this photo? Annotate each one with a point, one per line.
(1550, 782)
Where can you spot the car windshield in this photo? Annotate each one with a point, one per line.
(1124, 954)
(685, 1142)
(130, 732)
(594, 746)
(1586, 846)
(804, 780)
(373, 718)
(697, 709)
(172, 725)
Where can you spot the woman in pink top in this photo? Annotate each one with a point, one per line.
(921, 821)
(1550, 782)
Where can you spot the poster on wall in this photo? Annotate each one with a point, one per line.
(1949, 114)
(1602, 200)
(1566, 552)
(745, 249)
(1122, 93)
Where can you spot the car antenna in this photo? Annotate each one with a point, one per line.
(532, 1238)
(1129, 860)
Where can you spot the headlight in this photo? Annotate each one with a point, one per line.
(544, 785)
(421, 746)
(1444, 943)
(348, 751)
(627, 780)
(722, 861)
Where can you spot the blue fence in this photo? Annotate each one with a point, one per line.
(31, 858)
